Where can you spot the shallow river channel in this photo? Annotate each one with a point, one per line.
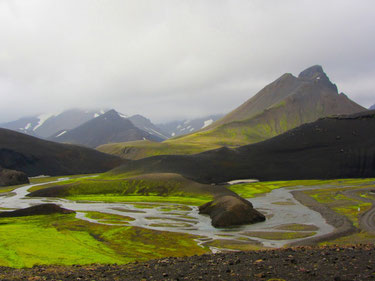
(279, 206)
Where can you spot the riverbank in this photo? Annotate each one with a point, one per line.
(301, 263)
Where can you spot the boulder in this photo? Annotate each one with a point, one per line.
(229, 210)
(12, 177)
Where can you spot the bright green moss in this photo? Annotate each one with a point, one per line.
(62, 239)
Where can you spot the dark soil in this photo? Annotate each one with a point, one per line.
(327, 263)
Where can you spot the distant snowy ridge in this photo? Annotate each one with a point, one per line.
(178, 128)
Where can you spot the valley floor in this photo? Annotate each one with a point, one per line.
(115, 228)
(302, 263)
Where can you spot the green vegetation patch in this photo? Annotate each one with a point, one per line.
(65, 240)
(297, 227)
(344, 205)
(114, 198)
(108, 218)
(248, 245)
(249, 190)
(356, 238)
(278, 235)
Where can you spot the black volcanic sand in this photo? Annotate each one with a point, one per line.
(334, 147)
(304, 263)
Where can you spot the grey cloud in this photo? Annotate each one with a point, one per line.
(175, 59)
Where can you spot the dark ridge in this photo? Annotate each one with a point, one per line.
(43, 209)
(35, 156)
(338, 147)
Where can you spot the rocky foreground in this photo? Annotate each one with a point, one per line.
(303, 263)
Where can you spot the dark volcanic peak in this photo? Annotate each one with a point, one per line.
(315, 73)
(340, 147)
(110, 127)
(312, 72)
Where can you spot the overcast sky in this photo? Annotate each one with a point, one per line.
(175, 59)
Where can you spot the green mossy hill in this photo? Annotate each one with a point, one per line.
(147, 187)
(283, 105)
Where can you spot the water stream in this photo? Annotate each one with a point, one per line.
(279, 206)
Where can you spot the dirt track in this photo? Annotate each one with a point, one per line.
(367, 219)
(304, 263)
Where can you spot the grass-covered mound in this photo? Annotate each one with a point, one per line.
(142, 188)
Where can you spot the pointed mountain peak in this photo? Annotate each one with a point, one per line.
(114, 113)
(313, 72)
(316, 73)
(111, 112)
(286, 76)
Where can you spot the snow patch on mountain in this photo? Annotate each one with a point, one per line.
(43, 118)
(207, 123)
(28, 125)
(63, 132)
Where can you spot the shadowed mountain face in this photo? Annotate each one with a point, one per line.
(107, 128)
(372, 107)
(35, 156)
(335, 147)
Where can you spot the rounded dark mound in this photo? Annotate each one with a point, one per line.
(12, 177)
(227, 211)
(43, 209)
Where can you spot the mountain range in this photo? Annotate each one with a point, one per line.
(372, 107)
(46, 125)
(284, 104)
(332, 147)
(110, 127)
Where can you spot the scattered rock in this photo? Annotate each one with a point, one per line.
(227, 211)
(12, 177)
